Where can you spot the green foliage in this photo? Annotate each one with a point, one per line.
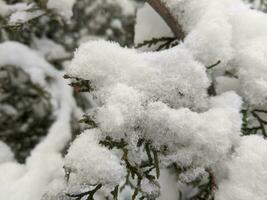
(25, 111)
(98, 22)
(89, 195)
(254, 122)
(159, 43)
(23, 130)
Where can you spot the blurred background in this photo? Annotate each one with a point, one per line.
(27, 108)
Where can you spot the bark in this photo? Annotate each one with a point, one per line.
(167, 16)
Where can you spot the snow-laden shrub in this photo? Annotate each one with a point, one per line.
(185, 111)
(181, 116)
(38, 111)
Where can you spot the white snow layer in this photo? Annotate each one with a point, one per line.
(30, 180)
(225, 30)
(90, 164)
(149, 95)
(247, 172)
(6, 154)
(160, 96)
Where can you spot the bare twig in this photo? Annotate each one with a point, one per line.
(168, 17)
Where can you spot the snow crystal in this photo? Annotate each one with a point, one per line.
(90, 164)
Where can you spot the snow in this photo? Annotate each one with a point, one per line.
(90, 164)
(159, 106)
(158, 96)
(27, 58)
(62, 7)
(226, 30)
(6, 154)
(50, 49)
(29, 180)
(19, 12)
(173, 74)
(247, 177)
(193, 139)
(6, 9)
(24, 16)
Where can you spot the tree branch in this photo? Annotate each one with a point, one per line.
(171, 21)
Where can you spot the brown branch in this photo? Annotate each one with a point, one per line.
(171, 21)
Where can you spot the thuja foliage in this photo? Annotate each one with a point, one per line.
(25, 112)
(159, 43)
(91, 18)
(258, 4)
(254, 122)
(148, 170)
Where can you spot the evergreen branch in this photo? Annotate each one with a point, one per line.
(90, 194)
(89, 121)
(111, 144)
(261, 122)
(163, 42)
(156, 162)
(115, 192)
(254, 130)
